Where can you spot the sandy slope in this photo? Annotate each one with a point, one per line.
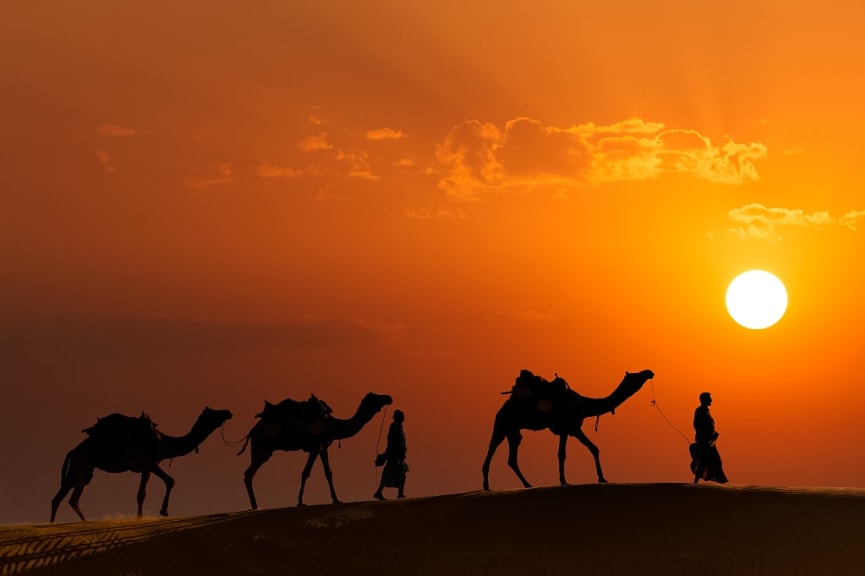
(588, 529)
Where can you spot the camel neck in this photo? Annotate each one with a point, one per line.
(175, 446)
(346, 428)
(599, 406)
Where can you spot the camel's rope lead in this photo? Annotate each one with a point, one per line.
(377, 443)
(664, 416)
(229, 442)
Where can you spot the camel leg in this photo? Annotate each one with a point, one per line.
(581, 436)
(563, 444)
(325, 462)
(169, 484)
(55, 502)
(313, 454)
(76, 473)
(497, 438)
(142, 491)
(513, 447)
(258, 458)
(73, 500)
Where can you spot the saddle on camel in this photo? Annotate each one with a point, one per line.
(118, 433)
(309, 414)
(538, 392)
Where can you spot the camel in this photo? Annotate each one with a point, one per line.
(311, 433)
(562, 412)
(119, 443)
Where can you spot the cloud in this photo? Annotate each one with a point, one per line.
(224, 175)
(756, 221)
(272, 171)
(105, 161)
(433, 214)
(314, 117)
(115, 130)
(477, 158)
(385, 134)
(358, 163)
(316, 142)
(404, 163)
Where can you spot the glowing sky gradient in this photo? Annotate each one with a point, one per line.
(214, 203)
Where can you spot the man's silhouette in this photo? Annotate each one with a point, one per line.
(393, 458)
(705, 459)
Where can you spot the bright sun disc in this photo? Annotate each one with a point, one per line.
(756, 299)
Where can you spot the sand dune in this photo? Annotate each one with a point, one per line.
(588, 529)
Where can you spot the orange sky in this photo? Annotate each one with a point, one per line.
(217, 204)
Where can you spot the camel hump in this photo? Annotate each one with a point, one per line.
(118, 434)
(529, 387)
(117, 424)
(290, 409)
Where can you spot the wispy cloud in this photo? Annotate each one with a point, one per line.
(314, 117)
(477, 158)
(404, 163)
(433, 214)
(358, 164)
(385, 134)
(105, 161)
(224, 175)
(315, 142)
(115, 130)
(756, 221)
(270, 171)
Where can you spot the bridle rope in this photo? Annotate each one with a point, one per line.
(377, 443)
(664, 416)
(229, 442)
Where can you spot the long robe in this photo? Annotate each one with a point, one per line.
(705, 458)
(395, 468)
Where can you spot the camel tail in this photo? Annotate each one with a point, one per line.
(245, 442)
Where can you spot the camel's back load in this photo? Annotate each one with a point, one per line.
(530, 388)
(119, 423)
(290, 409)
(118, 433)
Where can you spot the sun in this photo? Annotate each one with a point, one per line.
(756, 299)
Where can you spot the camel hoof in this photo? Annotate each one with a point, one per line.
(163, 513)
(602, 481)
(300, 504)
(335, 501)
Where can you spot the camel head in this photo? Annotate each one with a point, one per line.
(373, 403)
(633, 381)
(211, 419)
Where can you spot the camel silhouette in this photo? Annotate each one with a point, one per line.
(554, 406)
(301, 430)
(119, 443)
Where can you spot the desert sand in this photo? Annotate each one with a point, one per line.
(586, 529)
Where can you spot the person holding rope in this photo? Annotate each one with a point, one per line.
(393, 458)
(705, 459)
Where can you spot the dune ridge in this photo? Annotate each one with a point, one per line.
(590, 529)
